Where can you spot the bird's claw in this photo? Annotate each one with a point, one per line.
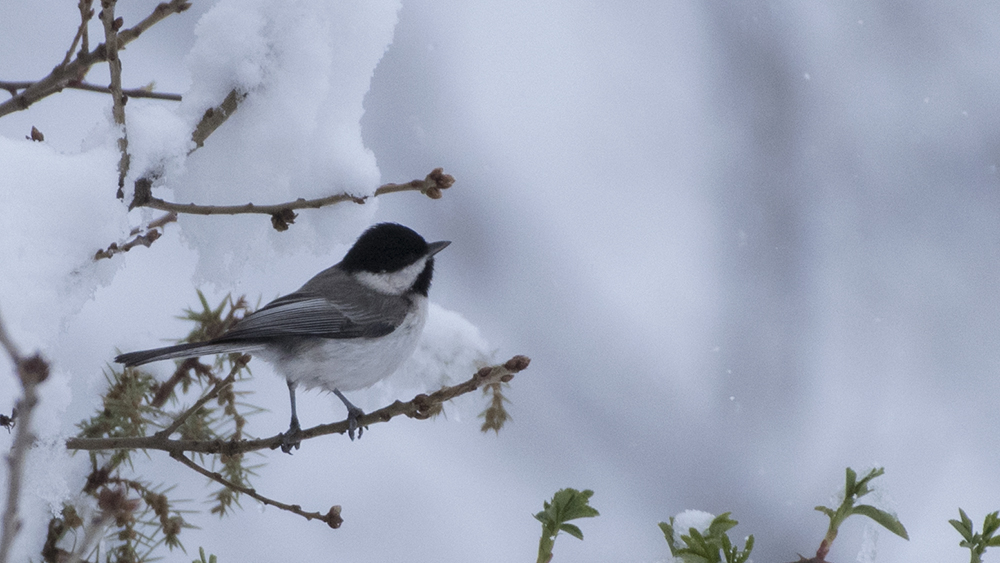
(292, 438)
(353, 414)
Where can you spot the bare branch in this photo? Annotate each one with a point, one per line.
(146, 92)
(129, 92)
(86, 12)
(81, 33)
(32, 371)
(111, 26)
(9, 346)
(332, 518)
(420, 407)
(214, 117)
(161, 11)
(140, 237)
(64, 74)
(430, 186)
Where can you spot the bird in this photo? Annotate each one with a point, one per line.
(350, 326)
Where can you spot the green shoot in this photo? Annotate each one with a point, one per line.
(566, 505)
(854, 489)
(977, 543)
(706, 547)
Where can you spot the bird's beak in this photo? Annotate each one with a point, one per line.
(435, 247)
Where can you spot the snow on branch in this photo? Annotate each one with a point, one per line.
(282, 214)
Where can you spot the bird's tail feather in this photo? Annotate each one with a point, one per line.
(190, 350)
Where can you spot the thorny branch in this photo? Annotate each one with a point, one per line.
(179, 421)
(332, 518)
(420, 407)
(31, 371)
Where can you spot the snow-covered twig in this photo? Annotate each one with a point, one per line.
(214, 117)
(430, 186)
(140, 237)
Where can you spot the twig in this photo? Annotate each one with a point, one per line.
(214, 117)
(420, 407)
(111, 26)
(32, 371)
(81, 33)
(13, 87)
(430, 186)
(64, 74)
(141, 237)
(161, 11)
(237, 366)
(9, 346)
(86, 13)
(332, 518)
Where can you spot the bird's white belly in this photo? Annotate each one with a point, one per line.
(352, 363)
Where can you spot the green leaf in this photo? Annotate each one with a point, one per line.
(825, 510)
(960, 526)
(721, 524)
(888, 521)
(572, 530)
(727, 545)
(668, 531)
(668, 534)
(991, 524)
(567, 504)
(570, 504)
(966, 521)
(861, 489)
(747, 548)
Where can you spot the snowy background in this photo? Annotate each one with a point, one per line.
(746, 244)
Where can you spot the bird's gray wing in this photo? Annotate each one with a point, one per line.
(308, 314)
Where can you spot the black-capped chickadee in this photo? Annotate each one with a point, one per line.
(348, 327)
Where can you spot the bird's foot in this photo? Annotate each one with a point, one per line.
(292, 438)
(353, 414)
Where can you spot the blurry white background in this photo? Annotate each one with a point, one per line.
(746, 245)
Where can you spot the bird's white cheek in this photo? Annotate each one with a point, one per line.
(395, 283)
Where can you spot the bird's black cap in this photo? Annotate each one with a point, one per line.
(385, 247)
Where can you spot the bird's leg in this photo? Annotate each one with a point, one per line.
(353, 414)
(291, 438)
